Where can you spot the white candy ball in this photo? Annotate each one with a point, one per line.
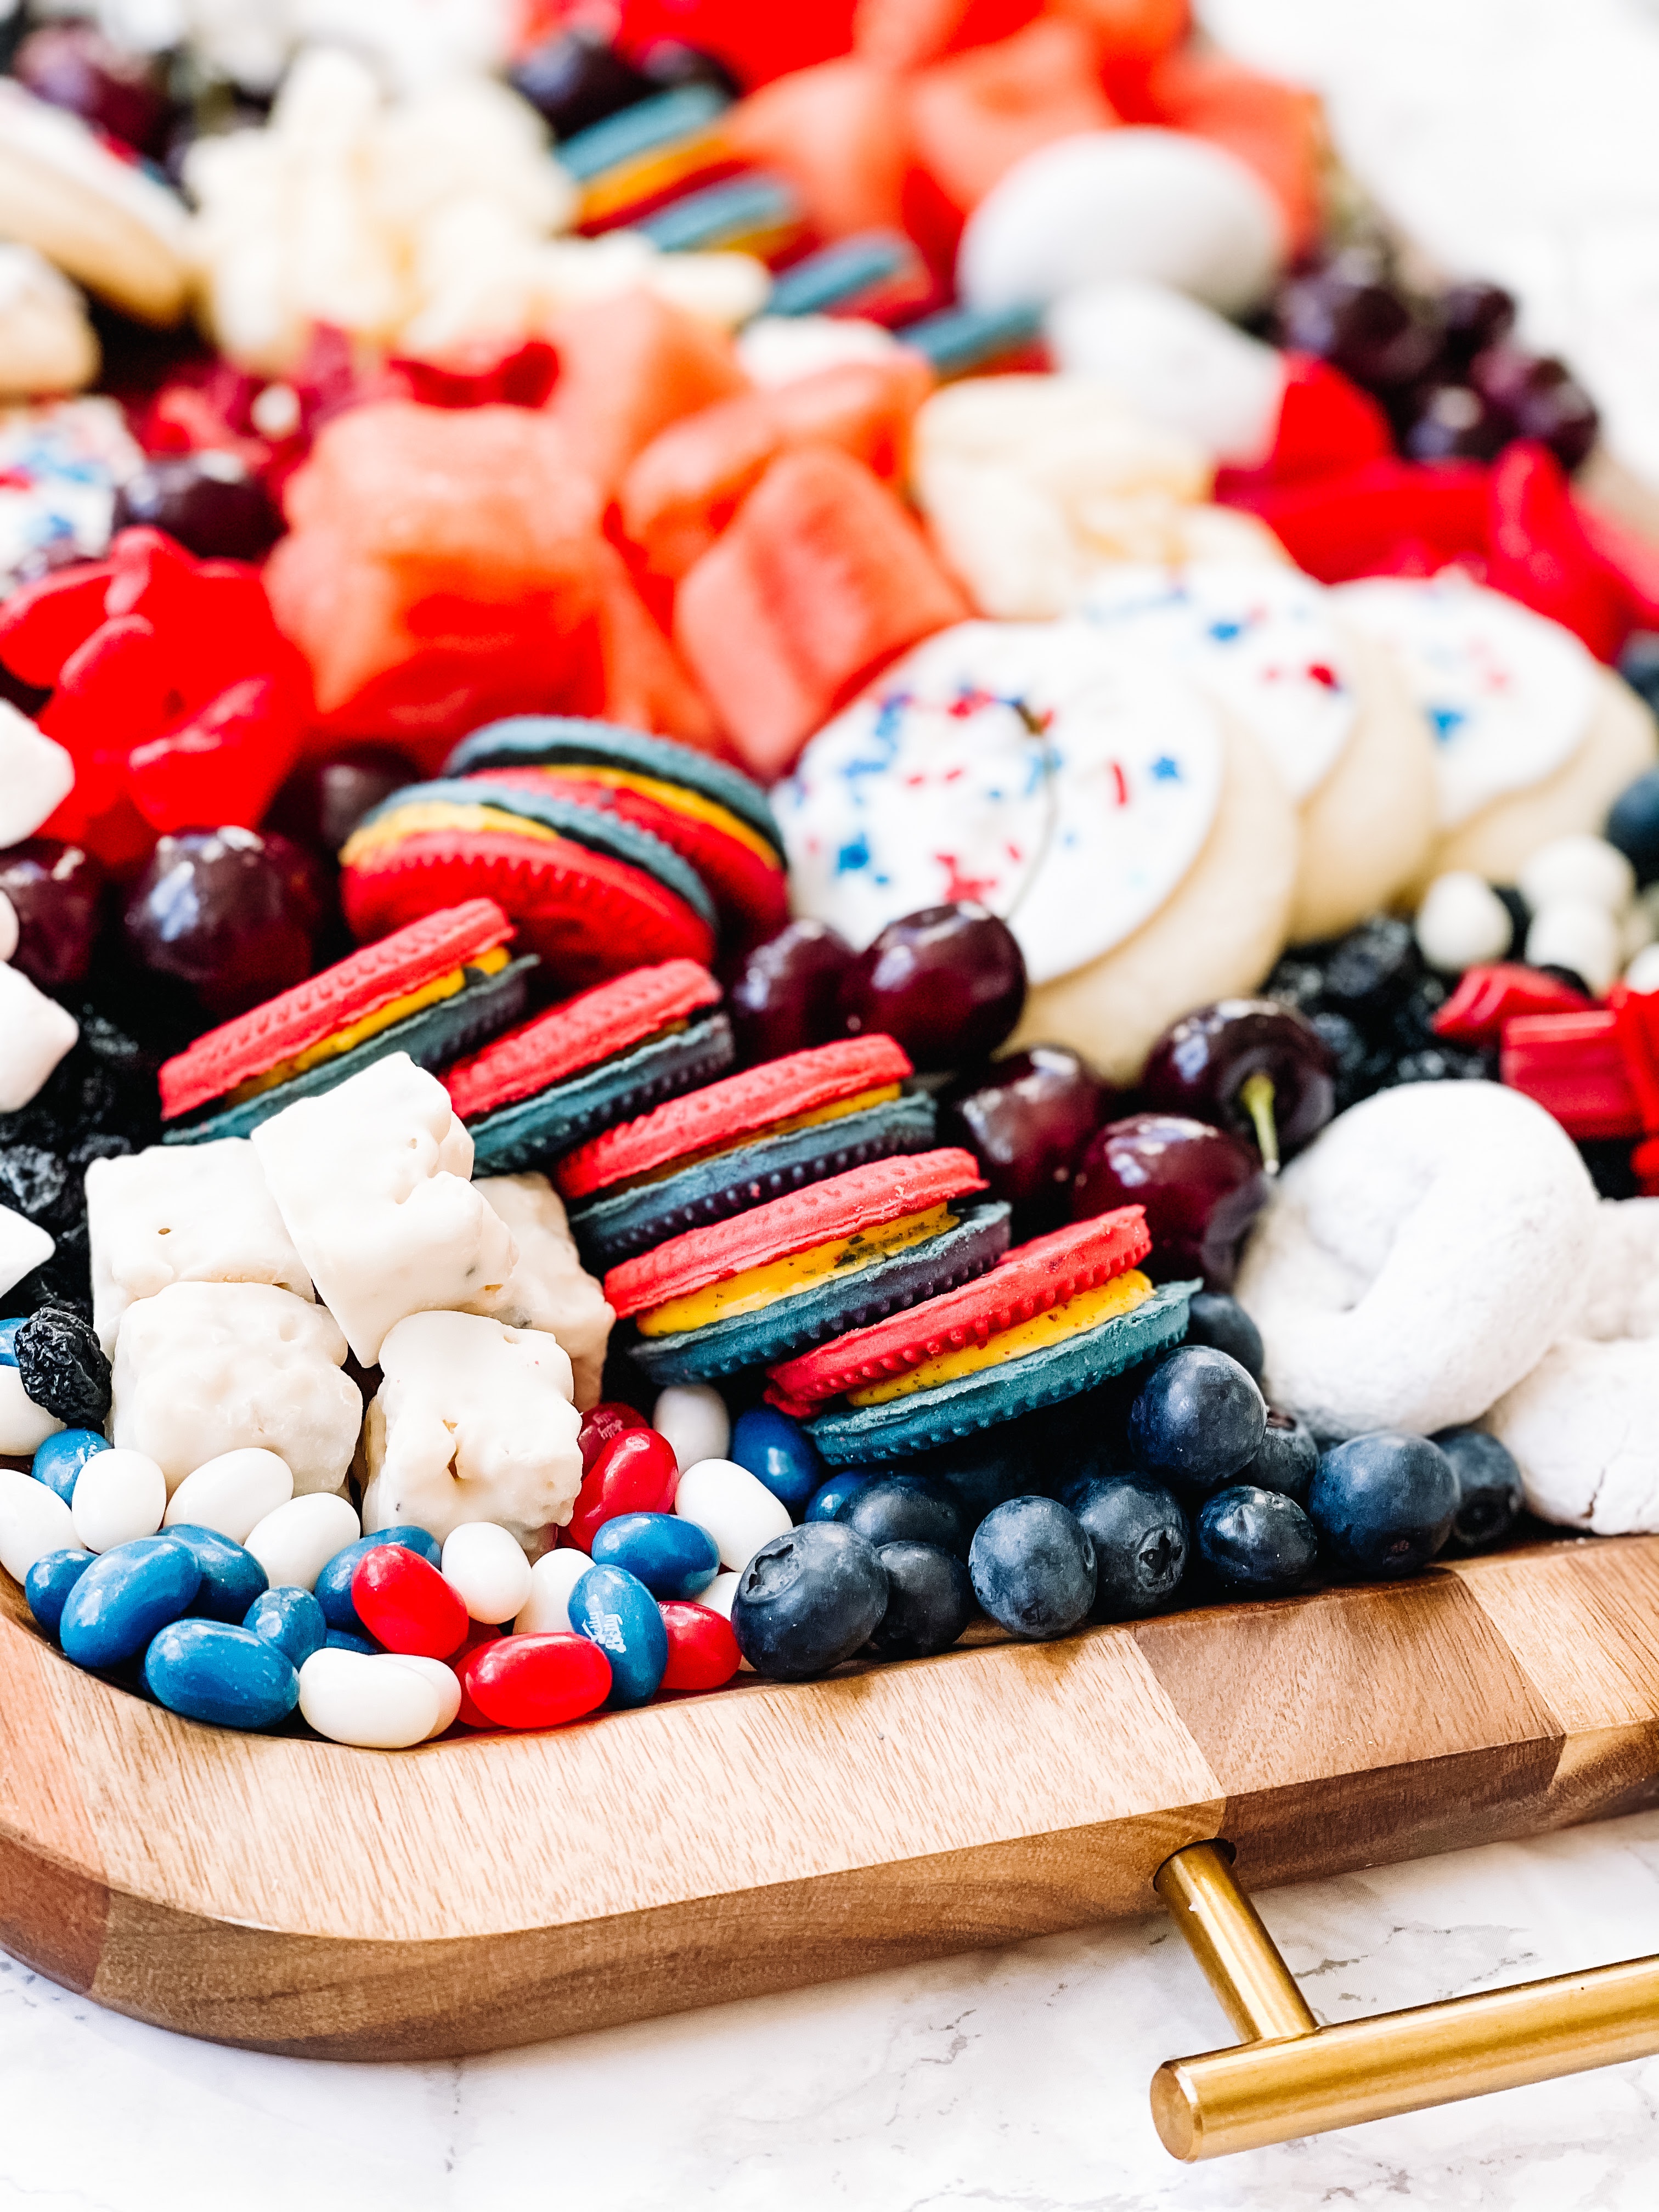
(546, 1611)
(1462, 922)
(1643, 973)
(1133, 203)
(1573, 934)
(232, 1493)
(296, 1542)
(33, 1520)
(737, 1509)
(694, 1419)
(487, 1569)
(10, 930)
(1579, 867)
(446, 1684)
(354, 1697)
(118, 1495)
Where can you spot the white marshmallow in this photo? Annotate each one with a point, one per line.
(10, 931)
(443, 1680)
(549, 1288)
(23, 1248)
(372, 1183)
(35, 1032)
(232, 1493)
(296, 1542)
(736, 1507)
(546, 1611)
(36, 776)
(694, 1419)
(118, 1496)
(33, 1520)
(352, 1698)
(1572, 933)
(1579, 867)
(487, 1569)
(1463, 923)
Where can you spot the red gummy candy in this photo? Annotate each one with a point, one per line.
(402, 1599)
(606, 1420)
(114, 691)
(1486, 998)
(755, 43)
(703, 1651)
(478, 1635)
(41, 625)
(1326, 424)
(636, 1472)
(153, 577)
(1538, 552)
(537, 1681)
(222, 767)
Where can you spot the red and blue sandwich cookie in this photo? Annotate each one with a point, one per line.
(531, 1094)
(740, 1143)
(1051, 1320)
(436, 990)
(806, 1267)
(712, 816)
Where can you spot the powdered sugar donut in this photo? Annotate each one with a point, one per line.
(1327, 703)
(1533, 737)
(1422, 1255)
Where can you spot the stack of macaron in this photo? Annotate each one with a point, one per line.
(608, 849)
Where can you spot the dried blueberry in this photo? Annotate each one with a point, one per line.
(1439, 1063)
(62, 1366)
(1373, 967)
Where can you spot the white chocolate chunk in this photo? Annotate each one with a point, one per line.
(372, 1182)
(202, 1369)
(35, 1032)
(549, 1288)
(36, 776)
(23, 1248)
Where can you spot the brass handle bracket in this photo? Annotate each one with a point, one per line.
(1289, 2076)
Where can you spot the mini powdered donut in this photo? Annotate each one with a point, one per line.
(1133, 836)
(1535, 739)
(1327, 703)
(1421, 1256)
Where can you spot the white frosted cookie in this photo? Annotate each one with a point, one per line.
(46, 343)
(1325, 701)
(1130, 834)
(1534, 739)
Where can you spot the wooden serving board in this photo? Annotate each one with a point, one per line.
(295, 1896)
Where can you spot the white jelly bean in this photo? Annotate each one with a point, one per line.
(444, 1681)
(718, 1597)
(232, 1493)
(1643, 973)
(33, 1520)
(1463, 923)
(353, 1697)
(546, 1612)
(296, 1542)
(1579, 867)
(487, 1569)
(1573, 934)
(694, 1419)
(737, 1509)
(118, 1495)
(24, 1427)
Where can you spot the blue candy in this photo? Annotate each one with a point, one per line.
(8, 1331)
(616, 1611)
(49, 1582)
(672, 1558)
(124, 1597)
(779, 1453)
(291, 1619)
(827, 1500)
(342, 1640)
(59, 1460)
(231, 1576)
(211, 1671)
(334, 1583)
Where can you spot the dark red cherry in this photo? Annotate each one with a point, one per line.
(1349, 314)
(209, 501)
(1249, 1065)
(74, 66)
(786, 994)
(669, 64)
(1471, 318)
(1200, 1187)
(1455, 422)
(577, 79)
(949, 983)
(1028, 1121)
(324, 799)
(1540, 398)
(57, 891)
(232, 914)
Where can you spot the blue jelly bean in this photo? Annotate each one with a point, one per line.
(8, 1331)
(827, 1500)
(334, 1583)
(124, 1597)
(672, 1558)
(342, 1640)
(779, 1453)
(231, 1576)
(59, 1460)
(616, 1611)
(49, 1582)
(291, 1619)
(211, 1671)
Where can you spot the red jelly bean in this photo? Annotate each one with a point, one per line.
(480, 1633)
(537, 1681)
(402, 1599)
(636, 1473)
(703, 1651)
(608, 1419)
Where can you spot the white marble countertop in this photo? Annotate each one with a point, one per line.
(1004, 2081)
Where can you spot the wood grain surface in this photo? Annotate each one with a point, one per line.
(296, 1896)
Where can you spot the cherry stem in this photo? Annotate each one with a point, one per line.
(1257, 1092)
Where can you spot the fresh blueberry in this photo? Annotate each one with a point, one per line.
(779, 1453)
(1139, 1534)
(1286, 1458)
(930, 1600)
(1033, 1567)
(1520, 915)
(827, 1500)
(1221, 1322)
(1383, 1504)
(1255, 1542)
(290, 1618)
(807, 1601)
(907, 1509)
(1489, 1495)
(1199, 1418)
(985, 1471)
(49, 1582)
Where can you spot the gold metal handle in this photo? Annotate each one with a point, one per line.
(1291, 2077)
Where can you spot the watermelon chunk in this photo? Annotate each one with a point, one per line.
(973, 117)
(840, 134)
(906, 34)
(627, 368)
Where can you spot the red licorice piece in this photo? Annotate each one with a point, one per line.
(402, 1599)
(537, 1681)
(607, 1421)
(1537, 552)
(1386, 518)
(42, 624)
(703, 1651)
(1487, 998)
(636, 1473)
(1574, 1066)
(1326, 424)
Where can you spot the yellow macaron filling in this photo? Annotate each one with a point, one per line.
(1088, 1309)
(355, 1033)
(425, 814)
(837, 1111)
(755, 1287)
(691, 803)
